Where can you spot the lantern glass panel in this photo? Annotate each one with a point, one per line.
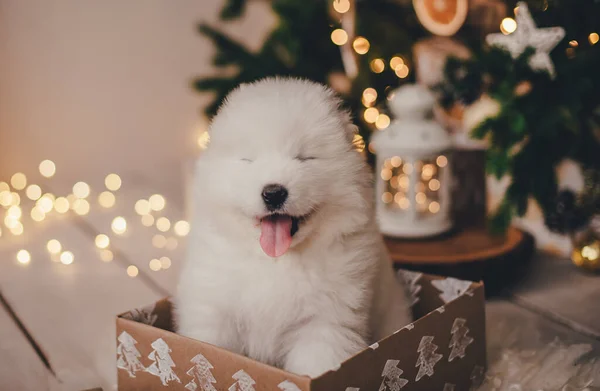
(395, 174)
(428, 197)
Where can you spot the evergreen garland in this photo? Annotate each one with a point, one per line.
(542, 120)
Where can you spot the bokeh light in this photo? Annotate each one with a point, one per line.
(119, 225)
(47, 168)
(112, 182)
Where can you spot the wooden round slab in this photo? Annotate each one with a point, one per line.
(472, 254)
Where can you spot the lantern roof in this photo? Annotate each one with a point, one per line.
(413, 127)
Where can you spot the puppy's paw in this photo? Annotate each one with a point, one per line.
(312, 360)
(316, 353)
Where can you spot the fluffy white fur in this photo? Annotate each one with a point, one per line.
(334, 291)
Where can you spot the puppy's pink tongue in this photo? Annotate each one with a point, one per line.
(276, 237)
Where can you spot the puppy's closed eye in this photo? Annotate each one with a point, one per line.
(303, 158)
(246, 160)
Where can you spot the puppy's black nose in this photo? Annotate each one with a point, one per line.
(274, 196)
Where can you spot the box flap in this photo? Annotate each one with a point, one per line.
(443, 347)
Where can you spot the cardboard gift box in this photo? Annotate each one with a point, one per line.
(443, 349)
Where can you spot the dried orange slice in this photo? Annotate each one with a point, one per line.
(442, 17)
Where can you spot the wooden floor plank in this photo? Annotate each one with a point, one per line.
(557, 288)
(20, 366)
(70, 309)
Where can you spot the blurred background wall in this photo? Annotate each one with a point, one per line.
(104, 86)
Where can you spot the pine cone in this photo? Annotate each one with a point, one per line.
(566, 217)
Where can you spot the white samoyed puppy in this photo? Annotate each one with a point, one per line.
(285, 261)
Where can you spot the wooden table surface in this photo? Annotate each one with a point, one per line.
(57, 322)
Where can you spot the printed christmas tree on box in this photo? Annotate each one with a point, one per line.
(443, 349)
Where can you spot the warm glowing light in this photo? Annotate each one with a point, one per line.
(361, 45)
(377, 65)
(82, 207)
(421, 198)
(33, 192)
(106, 255)
(573, 43)
(112, 182)
(508, 26)
(61, 205)
(81, 190)
(157, 202)
(386, 197)
(165, 262)
(102, 241)
(427, 171)
(18, 181)
(398, 196)
(142, 207)
(203, 140)
(407, 168)
(159, 241)
(163, 224)
(45, 203)
(106, 199)
(67, 258)
(402, 71)
(47, 168)
(23, 257)
(386, 174)
(119, 225)
(14, 212)
(369, 96)
(182, 228)
(339, 37)
(17, 229)
(15, 198)
(10, 222)
(371, 115)
(434, 207)
(4, 187)
(132, 271)
(341, 6)
(404, 203)
(147, 220)
(5, 198)
(594, 38)
(441, 161)
(37, 214)
(155, 265)
(590, 253)
(54, 246)
(359, 142)
(434, 184)
(382, 121)
(396, 161)
(171, 243)
(403, 182)
(395, 62)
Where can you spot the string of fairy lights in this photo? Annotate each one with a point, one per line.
(19, 198)
(360, 46)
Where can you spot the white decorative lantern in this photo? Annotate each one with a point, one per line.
(413, 170)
